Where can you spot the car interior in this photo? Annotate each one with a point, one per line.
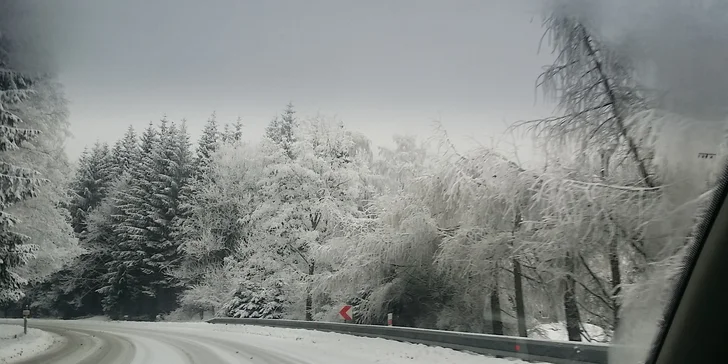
(695, 322)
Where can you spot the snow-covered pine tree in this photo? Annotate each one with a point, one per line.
(237, 130)
(124, 153)
(73, 291)
(16, 183)
(173, 173)
(281, 130)
(45, 219)
(141, 266)
(255, 300)
(191, 198)
(198, 172)
(232, 133)
(90, 185)
(127, 286)
(208, 143)
(80, 283)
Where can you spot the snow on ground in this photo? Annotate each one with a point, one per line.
(327, 347)
(557, 331)
(95, 318)
(15, 345)
(367, 349)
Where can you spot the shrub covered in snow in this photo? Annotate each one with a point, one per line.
(255, 300)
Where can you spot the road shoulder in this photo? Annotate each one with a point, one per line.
(16, 346)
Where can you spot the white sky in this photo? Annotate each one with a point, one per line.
(382, 66)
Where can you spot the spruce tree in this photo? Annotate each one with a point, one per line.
(125, 153)
(16, 184)
(127, 289)
(139, 280)
(232, 132)
(281, 130)
(173, 170)
(93, 178)
(74, 291)
(237, 131)
(208, 144)
(189, 197)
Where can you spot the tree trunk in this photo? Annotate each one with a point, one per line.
(495, 307)
(518, 282)
(520, 305)
(613, 254)
(571, 309)
(616, 278)
(309, 298)
(616, 110)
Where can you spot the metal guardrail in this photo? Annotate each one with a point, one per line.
(507, 346)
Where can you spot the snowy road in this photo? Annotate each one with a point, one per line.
(86, 342)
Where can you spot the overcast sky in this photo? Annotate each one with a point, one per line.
(382, 66)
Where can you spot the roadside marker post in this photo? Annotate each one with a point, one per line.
(390, 319)
(26, 313)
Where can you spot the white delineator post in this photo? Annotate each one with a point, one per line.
(26, 313)
(390, 319)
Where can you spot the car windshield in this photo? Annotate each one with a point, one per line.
(526, 176)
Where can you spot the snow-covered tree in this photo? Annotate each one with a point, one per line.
(598, 96)
(225, 196)
(124, 154)
(127, 286)
(72, 291)
(140, 270)
(43, 218)
(174, 169)
(308, 194)
(90, 185)
(207, 145)
(232, 132)
(479, 200)
(16, 183)
(399, 166)
(282, 130)
(595, 89)
(212, 289)
(253, 300)
(384, 260)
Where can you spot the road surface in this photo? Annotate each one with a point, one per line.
(86, 342)
(104, 342)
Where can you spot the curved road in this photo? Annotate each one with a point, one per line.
(113, 342)
(90, 342)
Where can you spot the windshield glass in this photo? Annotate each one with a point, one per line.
(516, 168)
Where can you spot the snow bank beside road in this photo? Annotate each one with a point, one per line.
(557, 331)
(14, 345)
(323, 347)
